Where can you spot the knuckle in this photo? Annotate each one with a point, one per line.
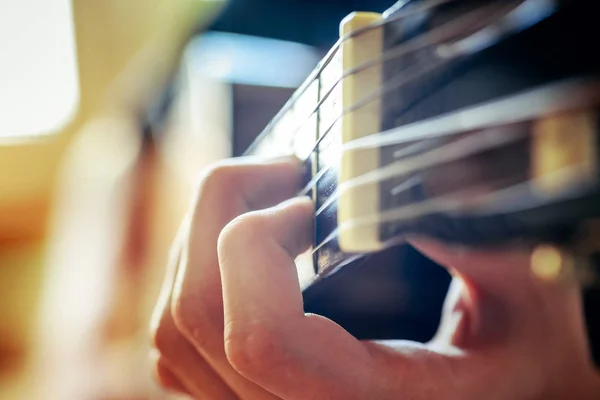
(156, 328)
(256, 352)
(163, 336)
(192, 320)
(163, 375)
(161, 372)
(241, 232)
(217, 177)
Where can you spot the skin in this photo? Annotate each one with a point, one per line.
(230, 324)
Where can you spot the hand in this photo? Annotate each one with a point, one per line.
(230, 322)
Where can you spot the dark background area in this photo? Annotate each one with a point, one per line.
(312, 22)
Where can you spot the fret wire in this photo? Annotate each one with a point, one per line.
(330, 55)
(314, 180)
(499, 198)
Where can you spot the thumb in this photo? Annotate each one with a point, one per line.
(502, 273)
(490, 290)
(501, 294)
(517, 277)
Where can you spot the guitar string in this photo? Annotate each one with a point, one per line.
(388, 18)
(498, 201)
(439, 34)
(494, 202)
(521, 107)
(313, 182)
(429, 5)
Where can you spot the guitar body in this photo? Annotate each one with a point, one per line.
(472, 122)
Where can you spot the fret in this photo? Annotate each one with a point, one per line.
(293, 130)
(306, 136)
(330, 95)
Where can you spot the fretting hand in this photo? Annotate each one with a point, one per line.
(230, 322)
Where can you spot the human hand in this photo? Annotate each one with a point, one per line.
(230, 322)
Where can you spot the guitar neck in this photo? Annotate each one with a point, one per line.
(415, 115)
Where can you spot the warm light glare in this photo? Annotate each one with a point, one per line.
(547, 263)
(39, 89)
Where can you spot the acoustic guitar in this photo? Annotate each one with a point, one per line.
(474, 122)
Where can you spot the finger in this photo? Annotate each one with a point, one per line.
(177, 364)
(497, 270)
(284, 232)
(165, 378)
(190, 368)
(226, 191)
(506, 319)
(457, 319)
(163, 302)
(268, 337)
(506, 274)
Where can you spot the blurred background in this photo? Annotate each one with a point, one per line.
(108, 111)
